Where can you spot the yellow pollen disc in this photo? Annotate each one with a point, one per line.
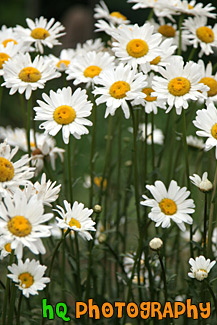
(6, 170)
(66, 62)
(167, 31)
(190, 7)
(3, 57)
(148, 92)
(8, 247)
(212, 84)
(40, 33)
(168, 206)
(92, 71)
(205, 34)
(179, 86)
(202, 270)
(74, 222)
(117, 14)
(32, 144)
(6, 41)
(64, 114)
(137, 48)
(156, 60)
(214, 131)
(19, 226)
(30, 74)
(118, 89)
(26, 280)
(98, 181)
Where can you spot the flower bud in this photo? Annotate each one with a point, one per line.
(155, 244)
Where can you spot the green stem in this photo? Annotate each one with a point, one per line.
(164, 276)
(92, 152)
(213, 296)
(12, 304)
(28, 125)
(179, 51)
(191, 55)
(204, 225)
(78, 266)
(209, 248)
(1, 96)
(151, 14)
(69, 171)
(19, 309)
(152, 145)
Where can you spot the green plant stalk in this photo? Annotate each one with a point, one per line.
(213, 296)
(152, 145)
(28, 125)
(92, 152)
(204, 224)
(181, 18)
(1, 96)
(19, 309)
(69, 171)
(210, 227)
(12, 304)
(164, 276)
(78, 266)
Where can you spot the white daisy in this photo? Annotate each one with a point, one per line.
(119, 85)
(202, 183)
(195, 142)
(179, 84)
(29, 276)
(41, 32)
(115, 17)
(142, 4)
(76, 218)
(66, 111)
(157, 135)
(96, 45)
(214, 242)
(200, 267)
(103, 26)
(22, 222)
(194, 9)
(169, 205)
(210, 80)
(23, 75)
(85, 68)
(5, 248)
(206, 121)
(200, 34)
(6, 53)
(8, 35)
(62, 62)
(136, 45)
(13, 174)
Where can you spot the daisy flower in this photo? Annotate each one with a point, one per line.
(6, 53)
(115, 17)
(23, 75)
(62, 62)
(76, 218)
(5, 248)
(200, 267)
(210, 80)
(157, 135)
(202, 183)
(22, 222)
(194, 9)
(119, 85)
(85, 68)
(13, 174)
(41, 32)
(96, 45)
(206, 121)
(195, 142)
(103, 26)
(66, 111)
(169, 205)
(142, 4)
(179, 84)
(136, 45)
(200, 34)
(29, 276)
(8, 35)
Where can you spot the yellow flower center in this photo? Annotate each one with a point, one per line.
(6, 170)
(65, 62)
(26, 280)
(156, 60)
(3, 57)
(137, 48)
(30, 74)
(74, 222)
(19, 226)
(98, 181)
(212, 84)
(40, 33)
(8, 247)
(179, 86)
(205, 34)
(117, 14)
(92, 71)
(214, 131)
(64, 114)
(6, 41)
(118, 89)
(148, 92)
(190, 7)
(168, 206)
(167, 30)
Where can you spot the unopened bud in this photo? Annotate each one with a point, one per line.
(97, 208)
(155, 244)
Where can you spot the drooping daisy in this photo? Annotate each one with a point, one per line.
(200, 34)
(171, 204)
(62, 62)
(136, 45)
(22, 223)
(23, 75)
(179, 84)
(6, 53)
(210, 80)
(66, 111)
(115, 17)
(76, 218)
(119, 85)
(85, 68)
(202, 183)
(41, 32)
(206, 121)
(13, 174)
(29, 276)
(200, 267)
